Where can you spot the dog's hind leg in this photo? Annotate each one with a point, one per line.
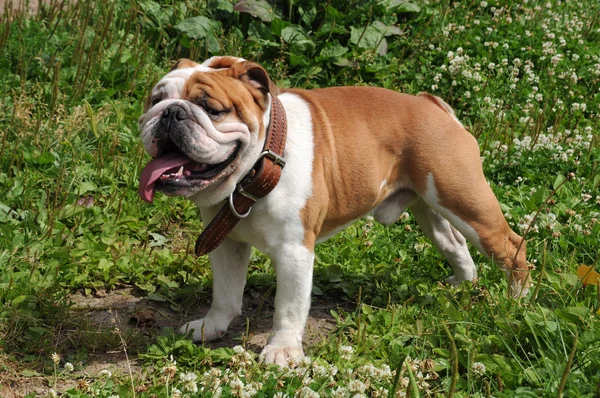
(447, 240)
(469, 204)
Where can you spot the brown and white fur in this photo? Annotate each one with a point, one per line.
(351, 151)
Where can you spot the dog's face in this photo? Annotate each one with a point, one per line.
(204, 126)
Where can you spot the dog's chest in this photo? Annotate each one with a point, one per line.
(277, 218)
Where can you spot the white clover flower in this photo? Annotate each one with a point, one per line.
(69, 367)
(483, 4)
(51, 393)
(189, 381)
(238, 349)
(419, 247)
(170, 369)
(346, 351)
(339, 392)
(574, 77)
(357, 386)
(236, 384)
(319, 371)
(478, 369)
(585, 197)
(105, 374)
(176, 393)
(55, 358)
(333, 371)
(308, 392)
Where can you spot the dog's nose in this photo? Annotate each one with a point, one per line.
(174, 113)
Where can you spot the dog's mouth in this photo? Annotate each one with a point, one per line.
(176, 174)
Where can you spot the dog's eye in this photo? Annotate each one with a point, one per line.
(156, 100)
(216, 113)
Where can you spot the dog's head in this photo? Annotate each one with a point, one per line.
(204, 126)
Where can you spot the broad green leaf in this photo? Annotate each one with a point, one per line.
(257, 8)
(156, 297)
(387, 30)
(296, 36)
(157, 239)
(574, 314)
(30, 373)
(369, 37)
(198, 27)
(334, 51)
(560, 179)
(45, 158)
(596, 181)
(223, 5)
(402, 6)
(85, 187)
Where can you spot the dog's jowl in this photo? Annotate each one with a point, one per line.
(345, 152)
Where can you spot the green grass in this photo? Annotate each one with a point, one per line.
(524, 77)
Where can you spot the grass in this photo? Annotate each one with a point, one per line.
(524, 77)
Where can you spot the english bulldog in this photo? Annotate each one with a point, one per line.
(350, 152)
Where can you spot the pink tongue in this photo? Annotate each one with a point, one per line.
(157, 167)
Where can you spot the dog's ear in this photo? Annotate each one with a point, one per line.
(222, 62)
(255, 75)
(184, 63)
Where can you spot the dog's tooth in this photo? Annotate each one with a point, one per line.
(180, 172)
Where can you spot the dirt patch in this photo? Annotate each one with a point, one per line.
(31, 6)
(138, 319)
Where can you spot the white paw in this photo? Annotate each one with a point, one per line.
(201, 331)
(518, 289)
(281, 355)
(456, 280)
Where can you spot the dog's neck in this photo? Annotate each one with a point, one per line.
(261, 180)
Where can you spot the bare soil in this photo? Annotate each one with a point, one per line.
(139, 319)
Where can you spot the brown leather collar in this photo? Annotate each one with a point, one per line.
(261, 180)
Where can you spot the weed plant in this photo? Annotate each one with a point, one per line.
(524, 78)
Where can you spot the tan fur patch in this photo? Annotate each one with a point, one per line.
(184, 63)
(223, 62)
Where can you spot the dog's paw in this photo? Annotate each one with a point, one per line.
(519, 289)
(201, 331)
(281, 355)
(456, 280)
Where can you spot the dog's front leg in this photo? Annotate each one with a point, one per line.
(229, 264)
(294, 268)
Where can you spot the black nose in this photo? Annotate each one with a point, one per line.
(173, 114)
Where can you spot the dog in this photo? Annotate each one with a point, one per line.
(349, 152)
